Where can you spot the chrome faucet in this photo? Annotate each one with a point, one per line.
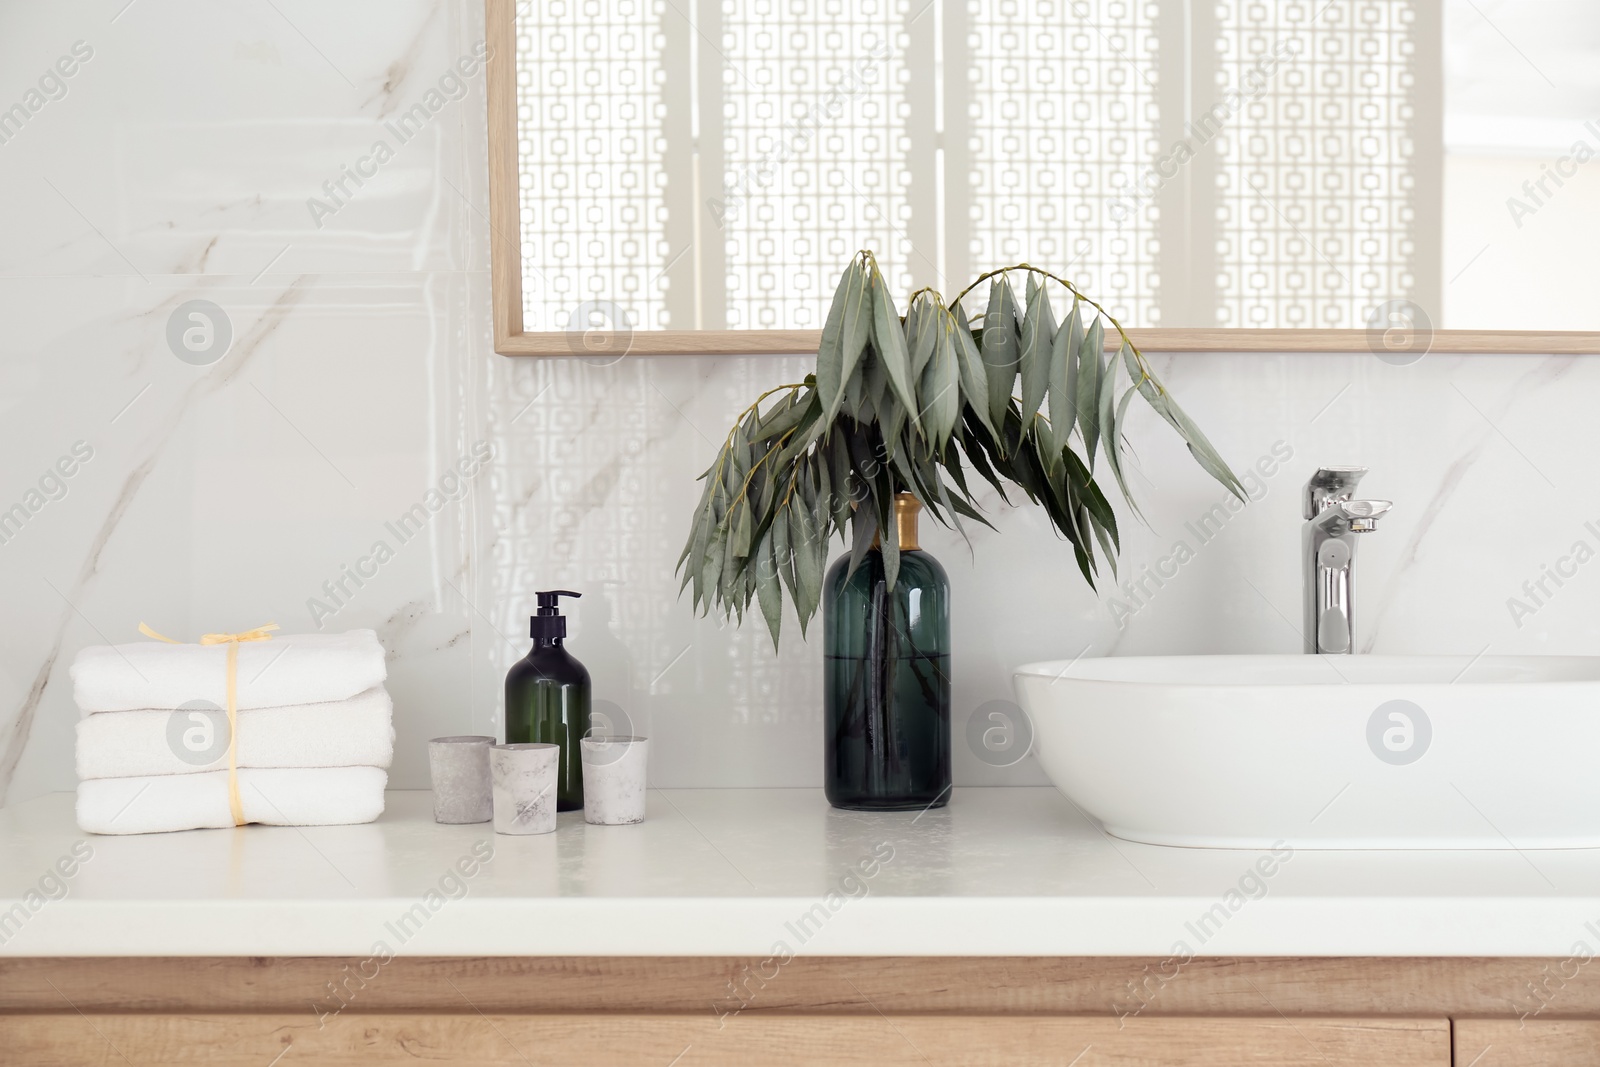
(1329, 540)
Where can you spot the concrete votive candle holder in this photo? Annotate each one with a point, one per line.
(459, 767)
(524, 781)
(614, 779)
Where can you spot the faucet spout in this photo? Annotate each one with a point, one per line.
(1333, 520)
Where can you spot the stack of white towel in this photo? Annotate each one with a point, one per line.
(314, 734)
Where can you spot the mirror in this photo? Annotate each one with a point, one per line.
(1350, 165)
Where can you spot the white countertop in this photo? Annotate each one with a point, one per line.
(753, 872)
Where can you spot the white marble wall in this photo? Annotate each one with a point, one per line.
(177, 165)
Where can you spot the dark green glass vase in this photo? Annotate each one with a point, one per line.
(886, 684)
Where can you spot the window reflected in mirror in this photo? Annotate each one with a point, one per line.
(1337, 164)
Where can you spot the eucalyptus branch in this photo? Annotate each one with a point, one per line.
(739, 420)
(723, 454)
(1144, 368)
(777, 447)
(929, 400)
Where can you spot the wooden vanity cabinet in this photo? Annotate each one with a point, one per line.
(854, 1012)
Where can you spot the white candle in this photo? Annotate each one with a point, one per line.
(614, 779)
(524, 788)
(459, 767)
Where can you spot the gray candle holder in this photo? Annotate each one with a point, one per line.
(614, 779)
(459, 768)
(524, 781)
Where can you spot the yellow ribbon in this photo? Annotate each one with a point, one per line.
(260, 633)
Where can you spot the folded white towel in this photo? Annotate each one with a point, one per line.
(294, 796)
(294, 669)
(345, 733)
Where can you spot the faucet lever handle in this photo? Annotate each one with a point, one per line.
(1330, 484)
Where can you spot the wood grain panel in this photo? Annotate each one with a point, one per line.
(505, 219)
(1140, 988)
(1290, 342)
(1527, 1043)
(47, 1040)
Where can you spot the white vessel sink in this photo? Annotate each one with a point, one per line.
(1494, 752)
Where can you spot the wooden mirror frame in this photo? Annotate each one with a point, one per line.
(505, 257)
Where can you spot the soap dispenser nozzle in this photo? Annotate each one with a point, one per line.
(548, 622)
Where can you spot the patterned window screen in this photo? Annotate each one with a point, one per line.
(590, 152)
(1063, 110)
(1328, 189)
(711, 164)
(816, 159)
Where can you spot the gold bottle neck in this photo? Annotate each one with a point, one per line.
(906, 507)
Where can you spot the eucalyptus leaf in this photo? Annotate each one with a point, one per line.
(699, 542)
(807, 576)
(920, 334)
(974, 378)
(694, 530)
(946, 500)
(738, 458)
(1099, 507)
(906, 475)
(766, 490)
(728, 578)
(1106, 407)
(961, 501)
(817, 569)
(801, 440)
(783, 553)
(889, 340)
(766, 579)
(839, 458)
(1106, 545)
(1091, 365)
(1114, 454)
(940, 387)
(824, 485)
(712, 573)
(1199, 446)
(741, 528)
(971, 512)
(784, 416)
(1038, 332)
(889, 546)
(1000, 347)
(1064, 376)
(982, 451)
(844, 336)
(874, 381)
(864, 528)
(897, 419)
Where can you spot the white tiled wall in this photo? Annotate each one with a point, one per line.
(177, 166)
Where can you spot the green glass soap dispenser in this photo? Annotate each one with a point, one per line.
(547, 698)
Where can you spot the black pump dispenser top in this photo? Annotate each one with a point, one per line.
(548, 622)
